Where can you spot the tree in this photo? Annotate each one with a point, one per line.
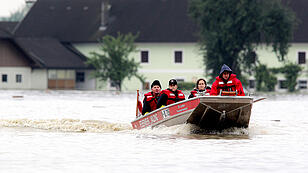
(291, 72)
(265, 78)
(114, 62)
(231, 30)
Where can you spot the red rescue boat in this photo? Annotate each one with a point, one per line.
(207, 112)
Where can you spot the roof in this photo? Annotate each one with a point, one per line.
(155, 20)
(168, 20)
(66, 20)
(50, 53)
(6, 29)
(300, 8)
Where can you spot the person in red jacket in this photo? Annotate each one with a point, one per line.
(151, 98)
(170, 95)
(201, 89)
(227, 81)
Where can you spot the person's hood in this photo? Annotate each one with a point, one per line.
(232, 76)
(225, 68)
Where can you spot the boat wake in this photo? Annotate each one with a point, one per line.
(191, 129)
(66, 125)
(181, 129)
(97, 126)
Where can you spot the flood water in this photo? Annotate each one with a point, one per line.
(78, 131)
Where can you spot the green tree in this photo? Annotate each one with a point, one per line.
(291, 72)
(113, 62)
(265, 78)
(231, 30)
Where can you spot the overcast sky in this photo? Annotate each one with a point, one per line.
(9, 6)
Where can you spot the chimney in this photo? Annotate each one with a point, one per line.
(30, 3)
(104, 15)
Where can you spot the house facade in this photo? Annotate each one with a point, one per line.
(161, 61)
(37, 52)
(168, 48)
(297, 54)
(23, 65)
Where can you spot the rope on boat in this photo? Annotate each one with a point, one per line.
(224, 113)
(211, 108)
(222, 116)
(246, 105)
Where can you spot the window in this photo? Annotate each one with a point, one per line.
(146, 85)
(4, 78)
(283, 84)
(144, 56)
(52, 74)
(79, 76)
(302, 84)
(178, 57)
(252, 84)
(301, 57)
(18, 78)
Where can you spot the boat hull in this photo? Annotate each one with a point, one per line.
(222, 112)
(207, 112)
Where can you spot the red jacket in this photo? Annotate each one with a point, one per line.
(149, 102)
(233, 84)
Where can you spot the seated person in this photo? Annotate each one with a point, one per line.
(200, 90)
(170, 95)
(151, 98)
(226, 81)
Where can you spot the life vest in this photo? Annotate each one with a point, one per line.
(229, 86)
(172, 98)
(197, 92)
(152, 100)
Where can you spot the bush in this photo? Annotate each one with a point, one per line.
(265, 79)
(186, 85)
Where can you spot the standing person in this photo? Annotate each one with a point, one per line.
(170, 95)
(201, 89)
(227, 81)
(151, 98)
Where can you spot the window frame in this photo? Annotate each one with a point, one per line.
(77, 77)
(301, 85)
(252, 82)
(148, 56)
(17, 79)
(298, 58)
(6, 78)
(175, 58)
(281, 83)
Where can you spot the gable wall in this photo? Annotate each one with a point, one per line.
(10, 56)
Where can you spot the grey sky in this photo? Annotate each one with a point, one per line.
(9, 6)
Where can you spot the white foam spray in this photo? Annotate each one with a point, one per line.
(66, 125)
